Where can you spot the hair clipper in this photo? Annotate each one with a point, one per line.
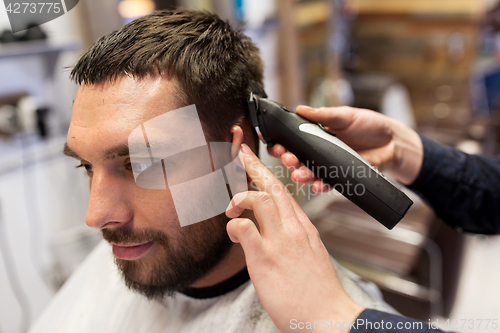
(330, 159)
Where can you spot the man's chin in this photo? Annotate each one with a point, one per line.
(166, 268)
(140, 276)
(134, 270)
(147, 289)
(160, 274)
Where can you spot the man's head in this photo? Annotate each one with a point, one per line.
(157, 64)
(211, 63)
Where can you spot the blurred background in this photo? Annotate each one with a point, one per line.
(434, 65)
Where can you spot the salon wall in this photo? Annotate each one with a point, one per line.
(43, 199)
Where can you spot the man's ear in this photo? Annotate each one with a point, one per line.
(238, 139)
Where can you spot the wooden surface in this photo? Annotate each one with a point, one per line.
(291, 88)
(472, 8)
(422, 53)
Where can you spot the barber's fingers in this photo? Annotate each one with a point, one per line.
(261, 204)
(266, 181)
(300, 174)
(244, 231)
(303, 175)
(289, 160)
(336, 118)
(305, 222)
(276, 150)
(320, 187)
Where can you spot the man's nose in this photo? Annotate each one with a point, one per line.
(108, 206)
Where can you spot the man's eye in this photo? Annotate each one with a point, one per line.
(139, 167)
(87, 167)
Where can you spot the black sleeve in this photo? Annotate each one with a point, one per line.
(462, 189)
(373, 321)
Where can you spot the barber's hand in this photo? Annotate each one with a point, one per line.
(386, 143)
(286, 259)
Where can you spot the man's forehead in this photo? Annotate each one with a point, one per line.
(105, 114)
(125, 99)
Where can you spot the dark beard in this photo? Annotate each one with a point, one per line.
(172, 268)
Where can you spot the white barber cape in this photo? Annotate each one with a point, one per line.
(94, 299)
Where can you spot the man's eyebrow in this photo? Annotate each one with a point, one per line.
(120, 150)
(69, 152)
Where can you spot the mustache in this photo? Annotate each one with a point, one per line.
(128, 235)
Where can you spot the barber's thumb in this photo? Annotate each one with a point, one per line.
(316, 115)
(243, 231)
(335, 117)
(306, 110)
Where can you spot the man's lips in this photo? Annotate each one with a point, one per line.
(131, 251)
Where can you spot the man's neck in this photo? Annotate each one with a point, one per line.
(232, 263)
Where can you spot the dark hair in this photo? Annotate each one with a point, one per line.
(211, 62)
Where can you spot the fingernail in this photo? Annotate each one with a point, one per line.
(245, 149)
(309, 109)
